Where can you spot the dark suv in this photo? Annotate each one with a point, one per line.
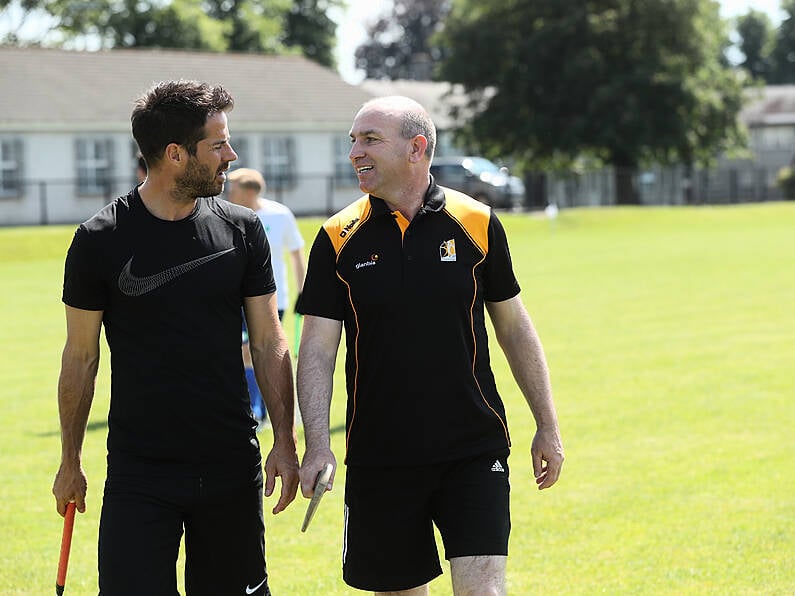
(481, 179)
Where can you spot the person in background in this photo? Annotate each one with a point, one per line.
(408, 270)
(140, 169)
(165, 269)
(246, 187)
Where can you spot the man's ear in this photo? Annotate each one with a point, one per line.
(175, 153)
(418, 146)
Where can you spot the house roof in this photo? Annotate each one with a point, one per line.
(53, 89)
(770, 106)
(436, 97)
(773, 105)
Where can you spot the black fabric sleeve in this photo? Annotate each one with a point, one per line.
(258, 279)
(324, 295)
(499, 280)
(83, 285)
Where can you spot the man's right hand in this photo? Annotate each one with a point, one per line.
(70, 486)
(312, 464)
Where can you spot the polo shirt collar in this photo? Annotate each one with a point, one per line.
(433, 201)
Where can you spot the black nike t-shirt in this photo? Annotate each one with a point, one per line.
(171, 295)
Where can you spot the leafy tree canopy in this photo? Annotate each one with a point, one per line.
(400, 41)
(309, 27)
(756, 42)
(626, 81)
(265, 26)
(782, 58)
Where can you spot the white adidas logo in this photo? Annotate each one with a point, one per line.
(497, 467)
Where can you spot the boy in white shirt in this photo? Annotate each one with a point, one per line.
(246, 187)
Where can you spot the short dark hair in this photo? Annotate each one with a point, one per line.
(175, 112)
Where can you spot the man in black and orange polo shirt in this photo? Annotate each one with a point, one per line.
(408, 269)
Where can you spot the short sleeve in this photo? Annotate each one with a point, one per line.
(83, 285)
(292, 236)
(324, 294)
(258, 279)
(499, 280)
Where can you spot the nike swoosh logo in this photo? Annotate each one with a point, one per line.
(255, 588)
(132, 285)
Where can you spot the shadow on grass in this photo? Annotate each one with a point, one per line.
(90, 427)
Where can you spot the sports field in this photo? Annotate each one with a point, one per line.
(670, 334)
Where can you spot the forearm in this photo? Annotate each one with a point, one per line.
(528, 363)
(75, 395)
(315, 387)
(522, 348)
(274, 372)
(299, 268)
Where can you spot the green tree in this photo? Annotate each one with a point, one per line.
(263, 26)
(782, 57)
(400, 41)
(139, 23)
(756, 41)
(626, 82)
(308, 27)
(251, 25)
(14, 14)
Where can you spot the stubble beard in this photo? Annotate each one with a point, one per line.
(197, 181)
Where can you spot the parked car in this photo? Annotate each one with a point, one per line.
(481, 179)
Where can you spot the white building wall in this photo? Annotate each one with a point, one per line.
(49, 191)
(315, 190)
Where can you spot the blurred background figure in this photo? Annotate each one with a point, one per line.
(246, 187)
(140, 169)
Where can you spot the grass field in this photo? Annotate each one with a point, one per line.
(670, 334)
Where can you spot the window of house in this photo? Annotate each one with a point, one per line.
(10, 167)
(343, 170)
(773, 137)
(278, 157)
(94, 166)
(134, 153)
(240, 146)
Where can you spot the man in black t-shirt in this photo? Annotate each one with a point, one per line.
(166, 272)
(409, 270)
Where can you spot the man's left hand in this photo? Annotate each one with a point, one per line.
(282, 461)
(547, 454)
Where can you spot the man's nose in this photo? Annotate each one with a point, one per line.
(355, 151)
(230, 154)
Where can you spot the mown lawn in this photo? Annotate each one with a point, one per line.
(670, 334)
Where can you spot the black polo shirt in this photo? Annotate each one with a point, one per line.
(411, 296)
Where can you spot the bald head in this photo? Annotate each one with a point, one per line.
(412, 117)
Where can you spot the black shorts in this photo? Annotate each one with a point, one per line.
(143, 516)
(389, 541)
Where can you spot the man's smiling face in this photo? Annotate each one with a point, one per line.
(379, 153)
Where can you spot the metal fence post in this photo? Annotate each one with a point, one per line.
(330, 195)
(43, 219)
